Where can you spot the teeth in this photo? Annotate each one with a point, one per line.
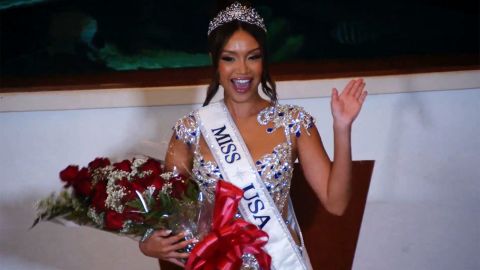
(242, 81)
(242, 84)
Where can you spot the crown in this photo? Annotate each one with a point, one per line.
(236, 11)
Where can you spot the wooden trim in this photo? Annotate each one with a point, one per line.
(195, 94)
(308, 70)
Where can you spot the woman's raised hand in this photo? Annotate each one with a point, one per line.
(346, 105)
(164, 247)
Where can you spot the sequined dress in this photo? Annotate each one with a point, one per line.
(275, 168)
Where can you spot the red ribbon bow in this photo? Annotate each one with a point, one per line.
(223, 247)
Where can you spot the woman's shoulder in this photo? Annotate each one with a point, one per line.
(291, 117)
(186, 128)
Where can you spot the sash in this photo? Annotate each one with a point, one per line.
(236, 165)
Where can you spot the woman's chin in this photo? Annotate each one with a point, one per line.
(242, 91)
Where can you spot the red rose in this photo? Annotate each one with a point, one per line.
(129, 190)
(144, 182)
(98, 163)
(179, 185)
(113, 220)
(83, 183)
(132, 214)
(151, 165)
(158, 183)
(137, 186)
(99, 196)
(124, 166)
(69, 175)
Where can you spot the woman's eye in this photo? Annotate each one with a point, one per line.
(255, 57)
(227, 58)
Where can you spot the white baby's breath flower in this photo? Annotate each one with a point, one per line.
(137, 162)
(99, 174)
(116, 175)
(151, 190)
(96, 218)
(115, 194)
(167, 188)
(126, 226)
(167, 175)
(135, 173)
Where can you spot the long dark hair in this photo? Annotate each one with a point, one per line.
(217, 40)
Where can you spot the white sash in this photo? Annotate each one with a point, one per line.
(236, 165)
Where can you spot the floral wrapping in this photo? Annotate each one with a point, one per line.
(131, 197)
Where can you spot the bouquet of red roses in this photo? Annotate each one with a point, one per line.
(131, 198)
(135, 198)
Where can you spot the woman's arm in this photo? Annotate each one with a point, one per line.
(161, 244)
(331, 181)
(179, 156)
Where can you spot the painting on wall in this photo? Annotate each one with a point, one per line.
(59, 37)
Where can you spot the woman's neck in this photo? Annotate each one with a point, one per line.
(246, 109)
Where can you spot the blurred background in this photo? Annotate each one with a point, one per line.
(48, 37)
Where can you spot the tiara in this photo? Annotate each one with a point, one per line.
(236, 11)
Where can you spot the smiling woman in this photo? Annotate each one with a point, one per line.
(253, 142)
(246, 50)
(240, 66)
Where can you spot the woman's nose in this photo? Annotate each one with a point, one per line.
(243, 67)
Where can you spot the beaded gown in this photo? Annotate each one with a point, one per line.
(275, 168)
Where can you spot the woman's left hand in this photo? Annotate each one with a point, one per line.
(346, 105)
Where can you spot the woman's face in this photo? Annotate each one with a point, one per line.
(240, 67)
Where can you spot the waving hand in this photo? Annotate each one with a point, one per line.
(346, 105)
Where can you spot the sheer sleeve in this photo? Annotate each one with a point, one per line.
(289, 117)
(180, 153)
(186, 129)
(298, 119)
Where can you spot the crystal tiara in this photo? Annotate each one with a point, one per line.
(236, 11)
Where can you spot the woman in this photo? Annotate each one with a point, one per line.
(274, 135)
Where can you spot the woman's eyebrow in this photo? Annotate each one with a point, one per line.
(235, 52)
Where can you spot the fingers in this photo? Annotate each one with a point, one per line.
(363, 96)
(179, 255)
(174, 239)
(349, 87)
(162, 233)
(359, 91)
(165, 247)
(334, 94)
(356, 87)
(179, 245)
(353, 87)
(176, 262)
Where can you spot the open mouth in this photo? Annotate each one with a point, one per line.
(242, 85)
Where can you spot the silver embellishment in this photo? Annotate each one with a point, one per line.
(275, 168)
(249, 262)
(186, 129)
(236, 11)
(290, 117)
